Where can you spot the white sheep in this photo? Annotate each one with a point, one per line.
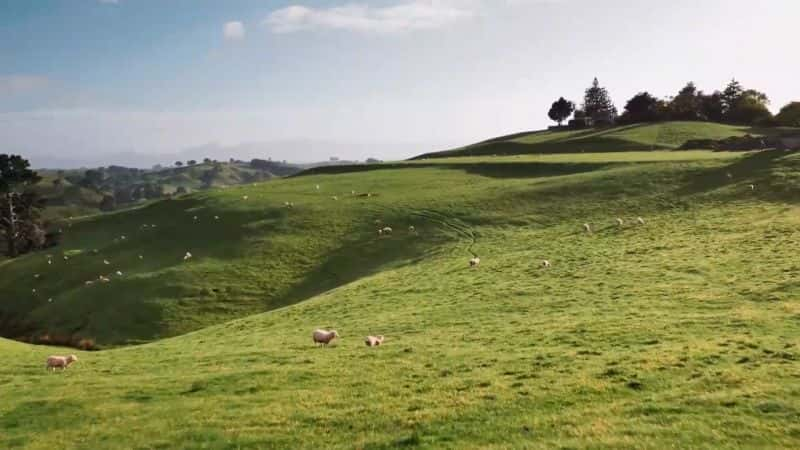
(334, 198)
(187, 256)
(620, 222)
(474, 262)
(123, 237)
(412, 229)
(380, 231)
(194, 218)
(640, 220)
(216, 217)
(317, 186)
(244, 197)
(61, 362)
(66, 258)
(324, 337)
(49, 261)
(587, 228)
(119, 273)
(103, 279)
(141, 257)
(89, 283)
(352, 192)
(387, 230)
(36, 276)
(729, 175)
(373, 341)
(752, 187)
(545, 263)
(33, 291)
(152, 225)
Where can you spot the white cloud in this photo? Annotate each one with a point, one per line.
(233, 30)
(15, 84)
(410, 15)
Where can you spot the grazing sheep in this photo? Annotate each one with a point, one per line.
(95, 251)
(152, 226)
(49, 261)
(640, 220)
(387, 230)
(352, 192)
(620, 222)
(317, 186)
(752, 187)
(103, 279)
(119, 273)
(545, 263)
(216, 217)
(50, 300)
(373, 341)
(36, 276)
(474, 262)
(324, 337)
(106, 262)
(66, 258)
(729, 175)
(334, 198)
(587, 228)
(187, 256)
(123, 237)
(141, 257)
(89, 283)
(380, 232)
(244, 197)
(61, 362)
(412, 229)
(194, 218)
(33, 291)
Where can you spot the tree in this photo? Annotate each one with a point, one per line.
(750, 108)
(17, 209)
(206, 160)
(712, 107)
(178, 163)
(191, 162)
(642, 107)
(597, 101)
(108, 203)
(789, 115)
(560, 110)
(181, 190)
(731, 95)
(686, 105)
(92, 179)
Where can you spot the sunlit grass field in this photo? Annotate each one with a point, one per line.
(679, 333)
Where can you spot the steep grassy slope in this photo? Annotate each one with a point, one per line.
(681, 333)
(668, 135)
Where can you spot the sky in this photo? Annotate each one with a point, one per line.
(98, 82)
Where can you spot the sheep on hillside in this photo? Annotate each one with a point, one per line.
(334, 198)
(752, 187)
(620, 222)
(89, 283)
(187, 256)
(103, 279)
(119, 273)
(244, 197)
(474, 262)
(387, 230)
(66, 258)
(61, 362)
(545, 263)
(324, 337)
(412, 229)
(587, 228)
(640, 220)
(106, 262)
(373, 341)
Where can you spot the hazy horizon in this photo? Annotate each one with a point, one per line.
(114, 81)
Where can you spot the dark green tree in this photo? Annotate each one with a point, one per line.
(687, 104)
(642, 107)
(18, 210)
(597, 101)
(731, 95)
(789, 115)
(108, 203)
(712, 107)
(560, 110)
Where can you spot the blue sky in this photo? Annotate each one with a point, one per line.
(92, 79)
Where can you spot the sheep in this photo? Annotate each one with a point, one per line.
(587, 228)
(88, 283)
(640, 220)
(474, 262)
(317, 186)
(36, 276)
(324, 337)
(61, 362)
(545, 263)
(141, 257)
(106, 262)
(216, 217)
(152, 225)
(187, 256)
(412, 229)
(194, 218)
(620, 222)
(380, 231)
(119, 273)
(729, 175)
(50, 300)
(244, 197)
(373, 341)
(752, 187)
(352, 192)
(66, 258)
(123, 237)
(387, 230)
(33, 291)
(334, 198)
(103, 279)
(50, 261)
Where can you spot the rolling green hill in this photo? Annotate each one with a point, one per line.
(681, 332)
(638, 137)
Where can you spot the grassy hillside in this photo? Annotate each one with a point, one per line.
(681, 333)
(655, 136)
(70, 199)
